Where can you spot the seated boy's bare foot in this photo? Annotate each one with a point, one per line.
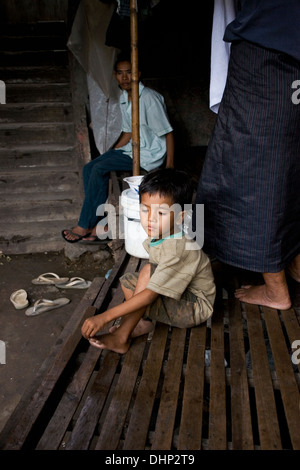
(142, 328)
(72, 234)
(259, 295)
(111, 342)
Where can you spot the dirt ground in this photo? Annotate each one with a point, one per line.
(29, 339)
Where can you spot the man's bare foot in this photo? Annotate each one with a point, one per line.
(110, 341)
(142, 328)
(259, 295)
(98, 232)
(76, 233)
(91, 236)
(293, 270)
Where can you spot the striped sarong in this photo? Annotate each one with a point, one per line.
(250, 182)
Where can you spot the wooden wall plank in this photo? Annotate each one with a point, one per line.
(14, 11)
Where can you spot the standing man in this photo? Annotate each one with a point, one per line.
(250, 180)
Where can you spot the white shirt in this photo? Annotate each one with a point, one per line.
(154, 125)
(224, 13)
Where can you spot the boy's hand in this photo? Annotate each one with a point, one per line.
(92, 325)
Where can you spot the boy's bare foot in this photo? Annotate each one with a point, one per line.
(142, 328)
(259, 295)
(76, 233)
(115, 342)
(110, 341)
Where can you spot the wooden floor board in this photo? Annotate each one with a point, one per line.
(289, 389)
(269, 432)
(84, 429)
(64, 412)
(217, 405)
(241, 425)
(164, 429)
(190, 433)
(137, 430)
(227, 384)
(113, 425)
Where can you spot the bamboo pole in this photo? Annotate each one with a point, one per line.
(135, 88)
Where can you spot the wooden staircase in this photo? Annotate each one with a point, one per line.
(40, 147)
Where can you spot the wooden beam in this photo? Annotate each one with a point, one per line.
(135, 88)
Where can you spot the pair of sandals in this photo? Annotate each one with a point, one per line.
(92, 239)
(19, 297)
(19, 300)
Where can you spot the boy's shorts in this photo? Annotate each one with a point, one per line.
(187, 312)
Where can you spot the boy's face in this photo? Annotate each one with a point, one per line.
(157, 215)
(123, 75)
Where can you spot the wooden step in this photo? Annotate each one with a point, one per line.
(39, 28)
(26, 58)
(53, 227)
(34, 237)
(40, 183)
(33, 93)
(44, 186)
(32, 43)
(38, 210)
(35, 74)
(38, 158)
(15, 235)
(41, 133)
(37, 243)
(36, 112)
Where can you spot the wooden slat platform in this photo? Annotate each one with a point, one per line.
(227, 384)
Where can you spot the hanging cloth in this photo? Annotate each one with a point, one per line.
(224, 13)
(87, 43)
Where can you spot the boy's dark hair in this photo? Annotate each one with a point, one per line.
(168, 182)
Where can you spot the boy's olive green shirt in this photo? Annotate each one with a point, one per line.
(179, 268)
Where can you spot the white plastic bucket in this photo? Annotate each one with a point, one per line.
(133, 231)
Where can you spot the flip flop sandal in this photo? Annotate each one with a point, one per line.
(77, 239)
(43, 305)
(49, 279)
(19, 299)
(75, 283)
(94, 240)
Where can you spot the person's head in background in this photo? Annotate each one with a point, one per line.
(122, 70)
